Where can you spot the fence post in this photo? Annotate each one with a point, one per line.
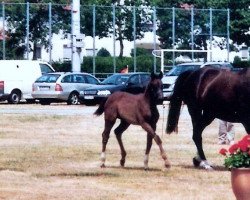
(94, 54)
(211, 32)
(134, 34)
(4, 36)
(154, 31)
(50, 33)
(192, 32)
(228, 32)
(27, 29)
(173, 34)
(114, 50)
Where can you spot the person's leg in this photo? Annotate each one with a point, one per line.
(222, 132)
(230, 132)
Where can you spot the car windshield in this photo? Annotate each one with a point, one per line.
(48, 78)
(177, 70)
(116, 79)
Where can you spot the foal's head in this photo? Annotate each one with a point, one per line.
(154, 88)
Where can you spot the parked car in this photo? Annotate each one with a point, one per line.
(130, 82)
(61, 86)
(169, 79)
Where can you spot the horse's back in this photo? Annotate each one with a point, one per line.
(222, 92)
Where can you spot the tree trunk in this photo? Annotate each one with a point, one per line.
(34, 51)
(121, 42)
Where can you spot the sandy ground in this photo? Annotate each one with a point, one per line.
(52, 152)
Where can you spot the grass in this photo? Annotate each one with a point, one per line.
(57, 157)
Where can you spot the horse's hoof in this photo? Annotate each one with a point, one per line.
(167, 165)
(102, 165)
(196, 162)
(122, 163)
(205, 165)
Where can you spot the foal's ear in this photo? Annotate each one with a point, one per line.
(153, 76)
(160, 75)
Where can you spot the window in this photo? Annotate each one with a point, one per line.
(91, 80)
(45, 69)
(67, 79)
(78, 78)
(134, 80)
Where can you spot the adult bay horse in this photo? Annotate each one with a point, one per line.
(210, 93)
(140, 109)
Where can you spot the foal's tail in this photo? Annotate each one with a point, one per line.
(175, 103)
(100, 109)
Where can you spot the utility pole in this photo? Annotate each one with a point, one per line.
(76, 37)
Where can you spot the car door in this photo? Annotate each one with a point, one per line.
(67, 84)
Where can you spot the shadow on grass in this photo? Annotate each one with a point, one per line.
(78, 174)
(134, 168)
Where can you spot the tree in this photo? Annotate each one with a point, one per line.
(124, 15)
(239, 22)
(16, 20)
(103, 53)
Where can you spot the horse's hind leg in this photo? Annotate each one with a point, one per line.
(105, 137)
(118, 132)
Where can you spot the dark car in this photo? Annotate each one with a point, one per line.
(131, 82)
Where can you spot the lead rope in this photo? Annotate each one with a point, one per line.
(163, 119)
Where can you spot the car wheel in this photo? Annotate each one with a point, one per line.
(44, 102)
(14, 97)
(73, 99)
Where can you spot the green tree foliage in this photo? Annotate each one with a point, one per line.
(103, 53)
(125, 12)
(239, 22)
(16, 19)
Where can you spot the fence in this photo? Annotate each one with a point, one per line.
(29, 30)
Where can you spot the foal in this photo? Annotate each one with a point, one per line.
(140, 109)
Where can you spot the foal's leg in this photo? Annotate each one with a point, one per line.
(148, 147)
(147, 127)
(105, 137)
(118, 132)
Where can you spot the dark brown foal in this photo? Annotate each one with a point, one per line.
(140, 109)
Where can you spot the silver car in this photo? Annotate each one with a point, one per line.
(61, 87)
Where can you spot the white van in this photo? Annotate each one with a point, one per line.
(17, 77)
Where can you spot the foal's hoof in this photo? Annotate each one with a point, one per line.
(102, 165)
(167, 165)
(146, 168)
(122, 163)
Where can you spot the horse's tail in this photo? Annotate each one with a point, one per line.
(175, 103)
(100, 109)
